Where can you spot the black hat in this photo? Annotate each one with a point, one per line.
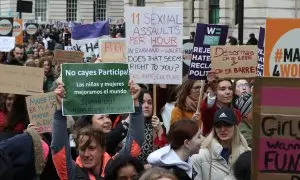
(225, 115)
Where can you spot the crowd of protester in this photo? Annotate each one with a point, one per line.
(180, 141)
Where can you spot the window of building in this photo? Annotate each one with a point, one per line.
(100, 10)
(214, 11)
(236, 11)
(140, 3)
(41, 10)
(71, 10)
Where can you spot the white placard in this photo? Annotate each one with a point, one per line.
(154, 44)
(7, 43)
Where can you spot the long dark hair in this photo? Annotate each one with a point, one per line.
(18, 113)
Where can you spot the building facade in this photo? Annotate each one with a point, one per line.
(225, 12)
(49, 11)
(195, 11)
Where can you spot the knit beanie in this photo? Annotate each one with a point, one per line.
(244, 104)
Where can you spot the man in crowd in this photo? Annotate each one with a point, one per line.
(17, 56)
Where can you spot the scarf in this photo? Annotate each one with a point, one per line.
(147, 147)
(191, 104)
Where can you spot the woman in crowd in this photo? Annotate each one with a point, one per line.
(244, 104)
(158, 173)
(41, 51)
(103, 123)
(184, 140)
(14, 114)
(155, 136)
(187, 102)
(35, 53)
(90, 143)
(2, 58)
(124, 167)
(6, 103)
(220, 97)
(220, 149)
(49, 78)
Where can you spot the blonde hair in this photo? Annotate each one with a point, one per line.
(237, 142)
(157, 173)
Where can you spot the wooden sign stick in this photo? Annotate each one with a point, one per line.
(200, 96)
(154, 100)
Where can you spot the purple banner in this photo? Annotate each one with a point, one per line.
(88, 31)
(261, 53)
(206, 35)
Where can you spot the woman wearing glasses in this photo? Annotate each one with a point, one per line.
(187, 102)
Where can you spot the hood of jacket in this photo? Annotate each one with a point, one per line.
(168, 157)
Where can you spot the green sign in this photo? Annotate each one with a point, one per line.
(96, 89)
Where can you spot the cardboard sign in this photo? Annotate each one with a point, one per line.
(61, 56)
(18, 30)
(7, 43)
(21, 80)
(154, 44)
(206, 35)
(261, 51)
(6, 26)
(282, 55)
(96, 89)
(41, 109)
(112, 50)
(234, 61)
(276, 130)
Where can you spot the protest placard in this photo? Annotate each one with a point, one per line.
(21, 80)
(61, 56)
(41, 109)
(6, 26)
(276, 130)
(154, 44)
(7, 43)
(261, 53)
(282, 56)
(96, 89)
(31, 28)
(234, 61)
(206, 35)
(18, 30)
(85, 38)
(112, 50)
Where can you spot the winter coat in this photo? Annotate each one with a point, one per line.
(210, 165)
(168, 159)
(246, 130)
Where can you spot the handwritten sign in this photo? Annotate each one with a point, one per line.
(41, 109)
(234, 61)
(21, 80)
(154, 44)
(7, 43)
(61, 56)
(276, 136)
(112, 50)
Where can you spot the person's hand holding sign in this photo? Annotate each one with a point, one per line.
(135, 91)
(156, 125)
(212, 79)
(60, 93)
